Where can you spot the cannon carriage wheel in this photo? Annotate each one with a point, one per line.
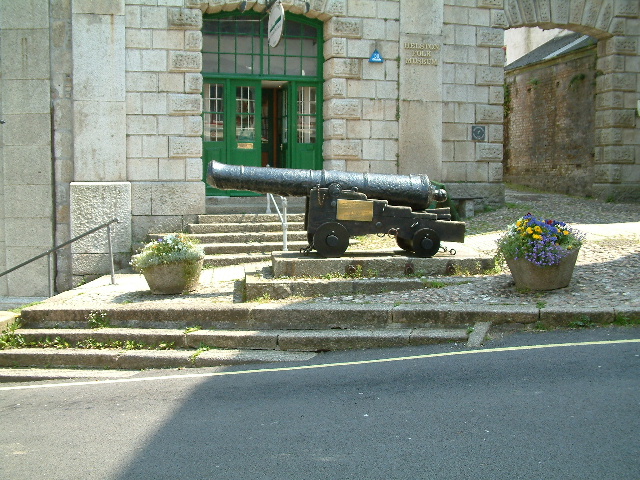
(331, 239)
(425, 243)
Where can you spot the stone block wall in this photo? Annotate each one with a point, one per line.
(26, 192)
(361, 98)
(163, 108)
(550, 130)
(473, 77)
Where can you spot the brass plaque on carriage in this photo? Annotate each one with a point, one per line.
(245, 146)
(355, 210)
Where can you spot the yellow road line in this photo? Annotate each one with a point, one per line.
(323, 365)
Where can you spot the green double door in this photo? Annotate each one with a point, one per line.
(260, 123)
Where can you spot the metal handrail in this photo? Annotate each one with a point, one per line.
(68, 242)
(283, 217)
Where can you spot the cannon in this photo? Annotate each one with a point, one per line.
(338, 206)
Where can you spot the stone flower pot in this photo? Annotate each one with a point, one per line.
(529, 276)
(173, 278)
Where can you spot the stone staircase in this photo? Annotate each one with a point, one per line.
(237, 230)
(216, 325)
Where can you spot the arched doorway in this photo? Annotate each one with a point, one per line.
(262, 105)
(616, 146)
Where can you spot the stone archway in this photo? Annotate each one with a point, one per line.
(615, 25)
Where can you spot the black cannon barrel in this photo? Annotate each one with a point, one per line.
(415, 191)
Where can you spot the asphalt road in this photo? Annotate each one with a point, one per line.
(569, 410)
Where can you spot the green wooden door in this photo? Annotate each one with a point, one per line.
(232, 129)
(305, 141)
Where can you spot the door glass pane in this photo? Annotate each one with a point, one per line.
(245, 115)
(306, 114)
(213, 112)
(285, 117)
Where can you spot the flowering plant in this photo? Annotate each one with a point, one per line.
(175, 247)
(541, 242)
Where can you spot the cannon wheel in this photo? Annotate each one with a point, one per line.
(331, 239)
(425, 242)
(404, 244)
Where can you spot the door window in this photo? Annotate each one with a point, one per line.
(307, 114)
(245, 116)
(213, 112)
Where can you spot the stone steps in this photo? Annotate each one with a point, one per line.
(237, 227)
(135, 348)
(140, 359)
(249, 237)
(252, 204)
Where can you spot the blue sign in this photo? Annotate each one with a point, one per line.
(376, 57)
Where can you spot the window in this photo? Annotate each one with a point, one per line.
(213, 112)
(237, 45)
(306, 114)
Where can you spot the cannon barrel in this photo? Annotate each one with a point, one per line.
(415, 191)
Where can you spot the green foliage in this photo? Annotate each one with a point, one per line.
(583, 321)
(175, 247)
(19, 309)
(541, 242)
(98, 319)
(433, 284)
(198, 352)
(576, 80)
(507, 100)
(624, 321)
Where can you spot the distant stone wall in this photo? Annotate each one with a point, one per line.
(550, 124)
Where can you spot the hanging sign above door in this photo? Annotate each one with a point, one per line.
(276, 22)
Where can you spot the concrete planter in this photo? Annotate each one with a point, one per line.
(534, 277)
(173, 278)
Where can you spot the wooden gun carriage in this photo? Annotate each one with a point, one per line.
(338, 206)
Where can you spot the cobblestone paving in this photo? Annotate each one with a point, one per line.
(607, 273)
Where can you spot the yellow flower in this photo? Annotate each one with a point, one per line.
(529, 230)
(538, 229)
(537, 237)
(566, 232)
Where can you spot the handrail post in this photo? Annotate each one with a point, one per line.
(113, 278)
(51, 292)
(49, 252)
(283, 217)
(285, 226)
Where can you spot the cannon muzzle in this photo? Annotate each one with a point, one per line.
(415, 191)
